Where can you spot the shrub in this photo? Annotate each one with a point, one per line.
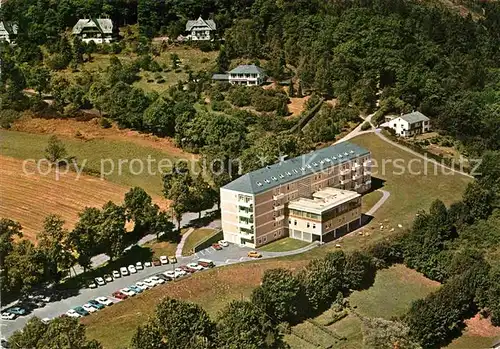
(204, 60)
(220, 105)
(105, 123)
(205, 46)
(366, 126)
(7, 117)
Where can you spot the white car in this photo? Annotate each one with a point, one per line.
(116, 274)
(195, 266)
(170, 274)
(150, 283)
(223, 243)
(157, 280)
(72, 313)
(104, 301)
(128, 292)
(8, 316)
(132, 269)
(164, 260)
(46, 320)
(148, 264)
(142, 285)
(100, 281)
(108, 278)
(139, 266)
(180, 272)
(124, 271)
(88, 307)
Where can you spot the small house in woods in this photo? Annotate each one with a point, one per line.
(99, 30)
(8, 31)
(200, 29)
(246, 75)
(409, 125)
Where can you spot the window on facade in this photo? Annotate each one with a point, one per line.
(294, 222)
(274, 224)
(274, 234)
(264, 239)
(258, 241)
(308, 225)
(314, 226)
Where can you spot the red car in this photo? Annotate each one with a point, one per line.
(156, 262)
(217, 247)
(187, 269)
(119, 295)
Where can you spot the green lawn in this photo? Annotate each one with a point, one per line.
(349, 328)
(392, 293)
(285, 244)
(467, 341)
(369, 200)
(161, 248)
(98, 154)
(197, 236)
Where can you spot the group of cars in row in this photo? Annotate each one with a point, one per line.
(99, 303)
(30, 302)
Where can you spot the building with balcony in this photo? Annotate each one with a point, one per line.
(201, 29)
(409, 125)
(98, 30)
(321, 189)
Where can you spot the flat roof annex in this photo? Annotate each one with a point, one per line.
(323, 200)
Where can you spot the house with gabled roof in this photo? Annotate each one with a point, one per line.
(8, 31)
(201, 29)
(409, 125)
(245, 74)
(98, 30)
(311, 197)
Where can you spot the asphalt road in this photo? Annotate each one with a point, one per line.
(229, 255)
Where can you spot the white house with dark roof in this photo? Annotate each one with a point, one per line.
(8, 31)
(409, 125)
(249, 75)
(99, 30)
(201, 29)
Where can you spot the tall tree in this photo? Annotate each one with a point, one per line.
(55, 151)
(53, 243)
(202, 195)
(84, 239)
(9, 229)
(112, 229)
(24, 268)
(138, 206)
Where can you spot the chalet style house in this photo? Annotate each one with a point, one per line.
(99, 30)
(200, 29)
(409, 125)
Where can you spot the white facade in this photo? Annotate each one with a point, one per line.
(238, 212)
(409, 125)
(98, 30)
(200, 29)
(247, 75)
(7, 32)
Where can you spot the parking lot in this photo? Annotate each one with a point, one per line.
(228, 255)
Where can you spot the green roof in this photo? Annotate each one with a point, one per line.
(247, 69)
(293, 169)
(413, 117)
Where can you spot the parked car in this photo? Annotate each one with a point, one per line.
(150, 282)
(157, 280)
(127, 291)
(119, 295)
(217, 247)
(170, 274)
(180, 272)
(96, 304)
(81, 311)
(132, 269)
(163, 277)
(46, 320)
(116, 274)
(100, 281)
(92, 284)
(142, 285)
(108, 278)
(124, 271)
(163, 259)
(8, 316)
(148, 264)
(104, 301)
(206, 263)
(136, 289)
(17, 311)
(89, 307)
(254, 254)
(72, 313)
(172, 259)
(187, 269)
(4, 344)
(223, 243)
(195, 266)
(139, 266)
(157, 262)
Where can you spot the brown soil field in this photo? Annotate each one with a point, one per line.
(29, 198)
(91, 129)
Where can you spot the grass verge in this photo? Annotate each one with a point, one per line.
(194, 238)
(285, 244)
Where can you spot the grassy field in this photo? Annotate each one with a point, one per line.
(285, 244)
(409, 193)
(370, 199)
(194, 238)
(191, 58)
(99, 154)
(30, 198)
